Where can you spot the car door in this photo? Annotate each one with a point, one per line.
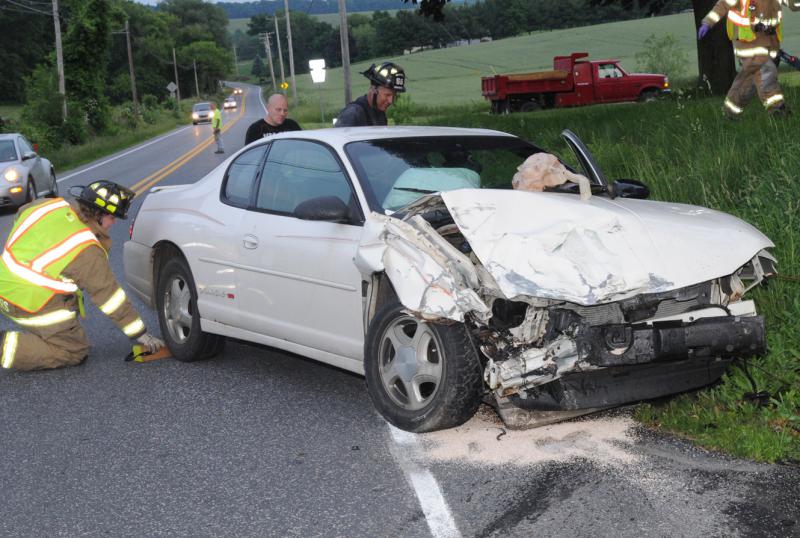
(34, 165)
(608, 82)
(299, 282)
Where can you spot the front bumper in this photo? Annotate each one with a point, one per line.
(629, 363)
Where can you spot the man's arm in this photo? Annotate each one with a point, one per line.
(91, 272)
(252, 133)
(351, 116)
(717, 12)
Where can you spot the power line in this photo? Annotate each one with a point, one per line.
(30, 9)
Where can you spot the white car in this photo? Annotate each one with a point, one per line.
(229, 102)
(402, 254)
(25, 174)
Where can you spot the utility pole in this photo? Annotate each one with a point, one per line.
(291, 52)
(130, 66)
(345, 50)
(60, 62)
(196, 86)
(280, 55)
(265, 38)
(175, 67)
(235, 60)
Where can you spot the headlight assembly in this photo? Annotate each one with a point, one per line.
(11, 175)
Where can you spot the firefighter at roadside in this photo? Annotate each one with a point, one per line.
(754, 26)
(386, 81)
(55, 250)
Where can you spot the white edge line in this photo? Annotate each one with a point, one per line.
(437, 514)
(135, 149)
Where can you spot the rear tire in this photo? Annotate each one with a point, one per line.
(421, 376)
(530, 106)
(178, 317)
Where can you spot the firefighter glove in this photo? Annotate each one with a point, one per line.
(150, 342)
(703, 30)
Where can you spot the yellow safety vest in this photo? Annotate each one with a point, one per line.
(739, 24)
(44, 240)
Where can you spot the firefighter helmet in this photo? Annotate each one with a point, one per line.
(388, 75)
(108, 197)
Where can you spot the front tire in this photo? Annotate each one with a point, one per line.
(421, 376)
(53, 186)
(30, 192)
(176, 303)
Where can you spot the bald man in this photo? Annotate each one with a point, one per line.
(275, 122)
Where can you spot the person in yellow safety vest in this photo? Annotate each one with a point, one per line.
(216, 125)
(755, 28)
(55, 250)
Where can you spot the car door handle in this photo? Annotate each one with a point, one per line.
(250, 241)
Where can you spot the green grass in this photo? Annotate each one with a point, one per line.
(686, 152)
(448, 76)
(68, 156)
(10, 112)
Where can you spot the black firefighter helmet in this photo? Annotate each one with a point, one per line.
(388, 74)
(108, 197)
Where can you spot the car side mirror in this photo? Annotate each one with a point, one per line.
(326, 208)
(631, 188)
(28, 155)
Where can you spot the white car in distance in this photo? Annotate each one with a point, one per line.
(402, 254)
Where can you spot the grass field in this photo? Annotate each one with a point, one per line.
(330, 18)
(452, 76)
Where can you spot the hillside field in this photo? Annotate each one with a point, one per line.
(452, 76)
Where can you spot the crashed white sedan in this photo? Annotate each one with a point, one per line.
(402, 254)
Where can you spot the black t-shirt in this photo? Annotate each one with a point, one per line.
(261, 129)
(360, 114)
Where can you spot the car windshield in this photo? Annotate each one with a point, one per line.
(7, 151)
(397, 171)
(199, 107)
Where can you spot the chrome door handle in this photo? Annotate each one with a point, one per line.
(250, 241)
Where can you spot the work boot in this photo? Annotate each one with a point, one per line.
(781, 111)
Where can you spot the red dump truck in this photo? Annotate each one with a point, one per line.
(572, 82)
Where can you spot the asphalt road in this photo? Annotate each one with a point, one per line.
(258, 442)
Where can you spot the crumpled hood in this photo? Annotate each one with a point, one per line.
(556, 246)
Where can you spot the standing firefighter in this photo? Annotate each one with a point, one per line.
(386, 81)
(55, 250)
(754, 26)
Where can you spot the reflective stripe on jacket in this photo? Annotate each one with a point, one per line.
(744, 15)
(45, 238)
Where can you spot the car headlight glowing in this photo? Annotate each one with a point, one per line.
(195, 116)
(11, 174)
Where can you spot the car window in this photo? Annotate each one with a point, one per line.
(609, 71)
(7, 151)
(395, 172)
(241, 177)
(299, 170)
(201, 106)
(24, 146)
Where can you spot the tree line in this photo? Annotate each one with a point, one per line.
(382, 34)
(95, 57)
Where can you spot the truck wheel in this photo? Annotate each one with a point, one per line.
(176, 303)
(421, 376)
(648, 95)
(530, 106)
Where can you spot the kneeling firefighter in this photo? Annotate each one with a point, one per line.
(755, 28)
(55, 250)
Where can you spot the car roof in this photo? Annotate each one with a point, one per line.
(344, 135)
(202, 104)
(8, 136)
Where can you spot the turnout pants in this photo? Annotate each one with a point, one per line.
(48, 342)
(758, 75)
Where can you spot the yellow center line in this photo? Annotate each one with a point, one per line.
(145, 184)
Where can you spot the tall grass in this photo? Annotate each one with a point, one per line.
(687, 152)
